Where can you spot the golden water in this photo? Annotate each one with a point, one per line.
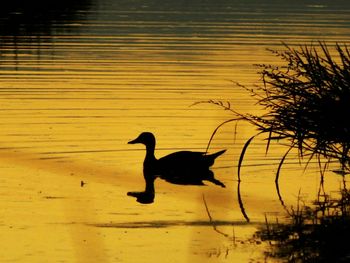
(79, 81)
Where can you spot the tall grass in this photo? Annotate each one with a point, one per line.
(307, 103)
(308, 106)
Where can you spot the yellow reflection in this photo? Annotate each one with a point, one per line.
(68, 109)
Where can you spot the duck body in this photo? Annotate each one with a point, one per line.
(187, 168)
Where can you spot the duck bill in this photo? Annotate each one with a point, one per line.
(134, 141)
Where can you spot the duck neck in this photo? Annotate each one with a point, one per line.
(150, 153)
(149, 167)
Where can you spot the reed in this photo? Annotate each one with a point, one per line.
(307, 103)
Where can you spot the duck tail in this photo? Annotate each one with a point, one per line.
(211, 157)
(217, 154)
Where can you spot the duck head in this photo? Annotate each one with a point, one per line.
(146, 138)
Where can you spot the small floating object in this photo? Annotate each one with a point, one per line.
(183, 167)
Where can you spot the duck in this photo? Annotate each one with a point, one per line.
(182, 167)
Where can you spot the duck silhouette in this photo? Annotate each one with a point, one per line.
(183, 167)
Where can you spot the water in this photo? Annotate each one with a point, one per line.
(78, 81)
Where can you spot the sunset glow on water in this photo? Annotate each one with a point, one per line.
(78, 81)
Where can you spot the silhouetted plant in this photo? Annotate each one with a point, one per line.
(307, 103)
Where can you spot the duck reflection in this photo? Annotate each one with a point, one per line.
(184, 168)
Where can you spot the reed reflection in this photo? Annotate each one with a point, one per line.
(184, 168)
(313, 233)
(27, 27)
(30, 18)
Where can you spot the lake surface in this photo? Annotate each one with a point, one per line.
(78, 81)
